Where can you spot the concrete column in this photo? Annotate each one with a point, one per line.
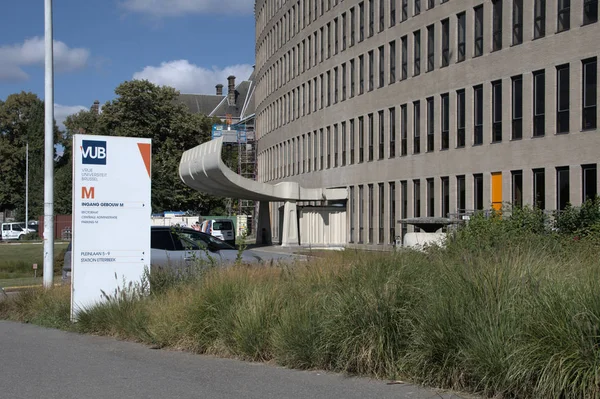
(290, 224)
(263, 234)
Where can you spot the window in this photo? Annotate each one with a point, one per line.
(343, 143)
(590, 11)
(445, 196)
(322, 34)
(352, 138)
(430, 4)
(517, 33)
(371, 69)
(352, 26)
(461, 193)
(417, 198)
(564, 15)
(478, 31)
(445, 42)
(329, 88)
(392, 202)
(497, 25)
(562, 187)
(478, 191)
(539, 19)
(403, 130)
(309, 99)
(539, 188)
(322, 90)
(381, 134)
(371, 17)
(404, 10)
(308, 150)
(335, 36)
(352, 210)
(392, 12)
(335, 85)
(361, 73)
(352, 74)
(517, 188)
(404, 57)
(462, 25)
(460, 118)
(381, 211)
(371, 214)
(392, 62)
(430, 198)
(562, 99)
(417, 127)
(381, 15)
(430, 125)
(539, 103)
(445, 121)
(318, 149)
(590, 94)
(361, 213)
(343, 81)
(497, 111)
(478, 115)
(361, 22)
(344, 31)
(517, 107)
(590, 181)
(361, 139)
(371, 137)
(417, 8)
(404, 205)
(392, 115)
(381, 66)
(328, 159)
(430, 48)
(417, 55)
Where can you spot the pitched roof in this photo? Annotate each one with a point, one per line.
(200, 103)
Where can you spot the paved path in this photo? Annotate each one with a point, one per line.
(51, 364)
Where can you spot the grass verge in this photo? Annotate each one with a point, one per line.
(512, 316)
(17, 259)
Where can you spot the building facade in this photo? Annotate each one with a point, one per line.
(429, 107)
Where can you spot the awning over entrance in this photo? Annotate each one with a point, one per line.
(202, 169)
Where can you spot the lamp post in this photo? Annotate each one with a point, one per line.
(49, 149)
(27, 187)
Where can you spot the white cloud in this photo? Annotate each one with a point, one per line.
(62, 111)
(32, 52)
(190, 78)
(172, 8)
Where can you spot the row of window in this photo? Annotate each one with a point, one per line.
(323, 42)
(437, 195)
(299, 154)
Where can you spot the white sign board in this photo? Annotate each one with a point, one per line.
(111, 216)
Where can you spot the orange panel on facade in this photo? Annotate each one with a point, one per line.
(497, 191)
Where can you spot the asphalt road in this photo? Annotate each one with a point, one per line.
(51, 364)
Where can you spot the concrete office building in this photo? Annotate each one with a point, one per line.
(425, 107)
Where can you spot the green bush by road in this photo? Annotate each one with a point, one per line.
(508, 309)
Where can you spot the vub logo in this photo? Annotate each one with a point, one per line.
(93, 152)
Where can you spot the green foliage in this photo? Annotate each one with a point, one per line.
(22, 122)
(582, 221)
(508, 309)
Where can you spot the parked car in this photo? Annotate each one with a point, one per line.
(14, 231)
(220, 228)
(174, 247)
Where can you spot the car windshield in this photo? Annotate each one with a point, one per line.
(226, 225)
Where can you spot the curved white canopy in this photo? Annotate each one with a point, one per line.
(202, 169)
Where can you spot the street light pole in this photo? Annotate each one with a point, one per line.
(49, 149)
(27, 187)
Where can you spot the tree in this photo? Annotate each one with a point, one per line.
(145, 110)
(22, 122)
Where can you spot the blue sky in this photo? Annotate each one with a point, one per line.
(189, 44)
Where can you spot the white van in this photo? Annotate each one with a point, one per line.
(220, 228)
(14, 231)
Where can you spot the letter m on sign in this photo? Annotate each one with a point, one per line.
(87, 192)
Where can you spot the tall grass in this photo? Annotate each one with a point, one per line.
(496, 313)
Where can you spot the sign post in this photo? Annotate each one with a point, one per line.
(111, 217)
